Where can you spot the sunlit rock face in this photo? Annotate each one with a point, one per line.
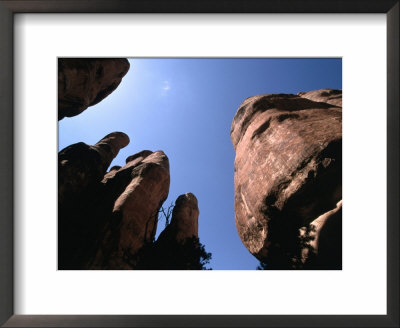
(84, 82)
(288, 170)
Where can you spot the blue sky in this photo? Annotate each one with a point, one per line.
(185, 107)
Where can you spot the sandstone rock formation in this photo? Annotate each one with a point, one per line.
(80, 169)
(83, 82)
(178, 247)
(288, 170)
(104, 217)
(136, 191)
(108, 220)
(184, 223)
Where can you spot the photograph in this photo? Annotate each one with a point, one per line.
(199, 163)
(181, 164)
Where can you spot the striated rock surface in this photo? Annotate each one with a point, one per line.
(84, 82)
(288, 170)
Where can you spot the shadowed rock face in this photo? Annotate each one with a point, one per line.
(80, 169)
(288, 169)
(326, 248)
(84, 82)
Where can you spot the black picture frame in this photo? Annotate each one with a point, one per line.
(10, 7)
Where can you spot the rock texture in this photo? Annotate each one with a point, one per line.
(84, 82)
(288, 170)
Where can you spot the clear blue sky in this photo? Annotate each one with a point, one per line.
(185, 107)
